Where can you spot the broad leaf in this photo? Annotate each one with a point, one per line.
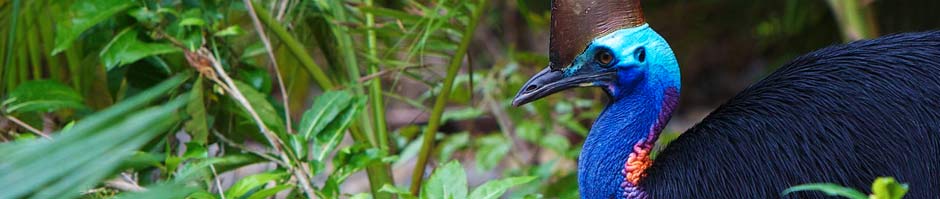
(126, 48)
(269, 192)
(334, 132)
(324, 109)
(42, 95)
(494, 189)
(448, 182)
(246, 184)
(265, 110)
(197, 126)
(888, 188)
(84, 15)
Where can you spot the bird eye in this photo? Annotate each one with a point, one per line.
(604, 58)
(640, 54)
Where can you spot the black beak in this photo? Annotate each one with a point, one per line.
(551, 81)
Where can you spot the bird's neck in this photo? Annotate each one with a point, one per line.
(617, 150)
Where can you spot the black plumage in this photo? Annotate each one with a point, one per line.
(845, 114)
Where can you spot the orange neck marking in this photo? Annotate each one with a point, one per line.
(638, 162)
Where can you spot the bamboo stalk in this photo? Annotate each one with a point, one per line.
(856, 19)
(295, 48)
(378, 174)
(8, 60)
(439, 103)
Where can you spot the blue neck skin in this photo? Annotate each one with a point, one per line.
(637, 99)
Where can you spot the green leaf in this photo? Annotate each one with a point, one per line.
(402, 193)
(269, 192)
(145, 15)
(161, 191)
(888, 188)
(90, 151)
(230, 31)
(324, 109)
(828, 189)
(84, 15)
(334, 132)
(246, 184)
(265, 110)
(447, 182)
(43, 95)
(197, 126)
(494, 189)
(126, 48)
(192, 21)
(491, 149)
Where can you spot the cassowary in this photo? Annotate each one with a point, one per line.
(845, 114)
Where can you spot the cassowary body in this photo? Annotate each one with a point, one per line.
(844, 114)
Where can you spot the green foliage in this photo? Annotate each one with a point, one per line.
(83, 16)
(126, 48)
(78, 158)
(42, 95)
(882, 188)
(245, 185)
(350, 66)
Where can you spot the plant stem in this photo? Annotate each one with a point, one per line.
(276, 143)
(295, 48)
(277, 70)
(441, 101)
(379, 174)
(375, 87)
(378, 110)
(8, 58)
(855, 19)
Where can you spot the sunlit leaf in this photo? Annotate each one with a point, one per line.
(448, 181)
(265, 193)
(84, 15)
(42, 95)
(494, 189)
(888, 188)
(230, 31)
(192, 22)
(248, 183)
(126, 48)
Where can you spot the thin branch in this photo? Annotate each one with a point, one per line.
(27, 127)
(231, 143)
(273, 139)
(267, 45)
(282, 9)
(218, 184)
(439, 104)
(366, 78)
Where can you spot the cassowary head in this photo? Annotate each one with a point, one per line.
(602, 43)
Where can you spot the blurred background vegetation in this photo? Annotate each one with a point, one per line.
(348, 99)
